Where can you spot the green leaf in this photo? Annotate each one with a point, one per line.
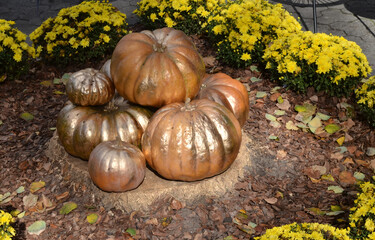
(252, 224)
(255, 79)
(301, 125)
(275, 89)
(275, 124)
(335, 213)
(37, 227)
(68, 207)
(62, 80)
(280, 100)
(279, 112)
(20, 190)
(327, 177)
(261, 94)
(21, 215)
(323, 116)
(336, 189)
(131, 231)
(1, 122)
(314, 124)
(317, 211)
(230, 238)
(300, 108)
(272, 137)
(332, 128)
(27, 116)
(46, 83)
(58, 92)
(254, 68)
(290, 126)
(2, 197)
(335, 208)
(92, 218)
(35, 186)
(359, 176)
(342, 149)
(271, 117)
(370, 151)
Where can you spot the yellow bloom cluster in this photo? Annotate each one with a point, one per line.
(366, 93)
(89, 25)
(14, 40)
(362, 217)
(305, 231)
(6, 231)
(294, 53)
(181, 14)
(246, 23)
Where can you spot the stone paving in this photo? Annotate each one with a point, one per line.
(352, 19)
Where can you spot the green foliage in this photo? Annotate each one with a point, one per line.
(243, 29)
(15, 53)
(328, 63)
(366, 98)
(83, 32)
(362, 215)
(185, 15)
(6, 230)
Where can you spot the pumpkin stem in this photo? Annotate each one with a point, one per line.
(111, 106)
(188, 106)
(159, 47)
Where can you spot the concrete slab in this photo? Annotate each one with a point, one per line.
(154, 187)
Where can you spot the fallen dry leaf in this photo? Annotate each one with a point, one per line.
(271, 200)
(347, 178)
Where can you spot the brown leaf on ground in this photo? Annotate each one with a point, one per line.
(347, 178)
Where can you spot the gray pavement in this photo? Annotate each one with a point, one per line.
(352, 19)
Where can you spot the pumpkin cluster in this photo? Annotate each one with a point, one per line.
(153, 103)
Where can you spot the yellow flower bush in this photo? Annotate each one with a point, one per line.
(362, 216)
(366, 99)
(305, 231)
(85, 31)
(185, 15)
(15, 53)
(6, 230)
(242, 29)
(327, 63)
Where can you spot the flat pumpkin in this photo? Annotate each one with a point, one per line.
(227, 91)
(116, 166)
(89, 87)
(155, 68)
(81, 129)
(191, 141)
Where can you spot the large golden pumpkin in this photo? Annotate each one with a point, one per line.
(155, 68)
(117, 166)
(81, 129)
(89, 87)
(227, 91)
(191, 141)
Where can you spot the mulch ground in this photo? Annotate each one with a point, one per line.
(289, 185)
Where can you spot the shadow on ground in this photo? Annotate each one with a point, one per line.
(363, 8)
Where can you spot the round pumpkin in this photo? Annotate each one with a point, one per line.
(155, 68)
(227, 91)
(89, 87)
(116, 166)
(81, 129)
(191, 141)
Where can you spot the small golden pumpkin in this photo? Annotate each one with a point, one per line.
(191, 141)
(227, 91)
(81, 129)
(89, 87)
(155, 68)
(117, 166)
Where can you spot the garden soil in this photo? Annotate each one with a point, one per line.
(288, 181)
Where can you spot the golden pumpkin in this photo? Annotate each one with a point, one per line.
(89, 87)
(155, 68)
(191, 141)
(227, 91)
(117, 166)
(81, 129)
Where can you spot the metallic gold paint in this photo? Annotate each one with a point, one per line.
(89, 87)
(116, 166)
(227, 91)
(155, 68)
(191, 141)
